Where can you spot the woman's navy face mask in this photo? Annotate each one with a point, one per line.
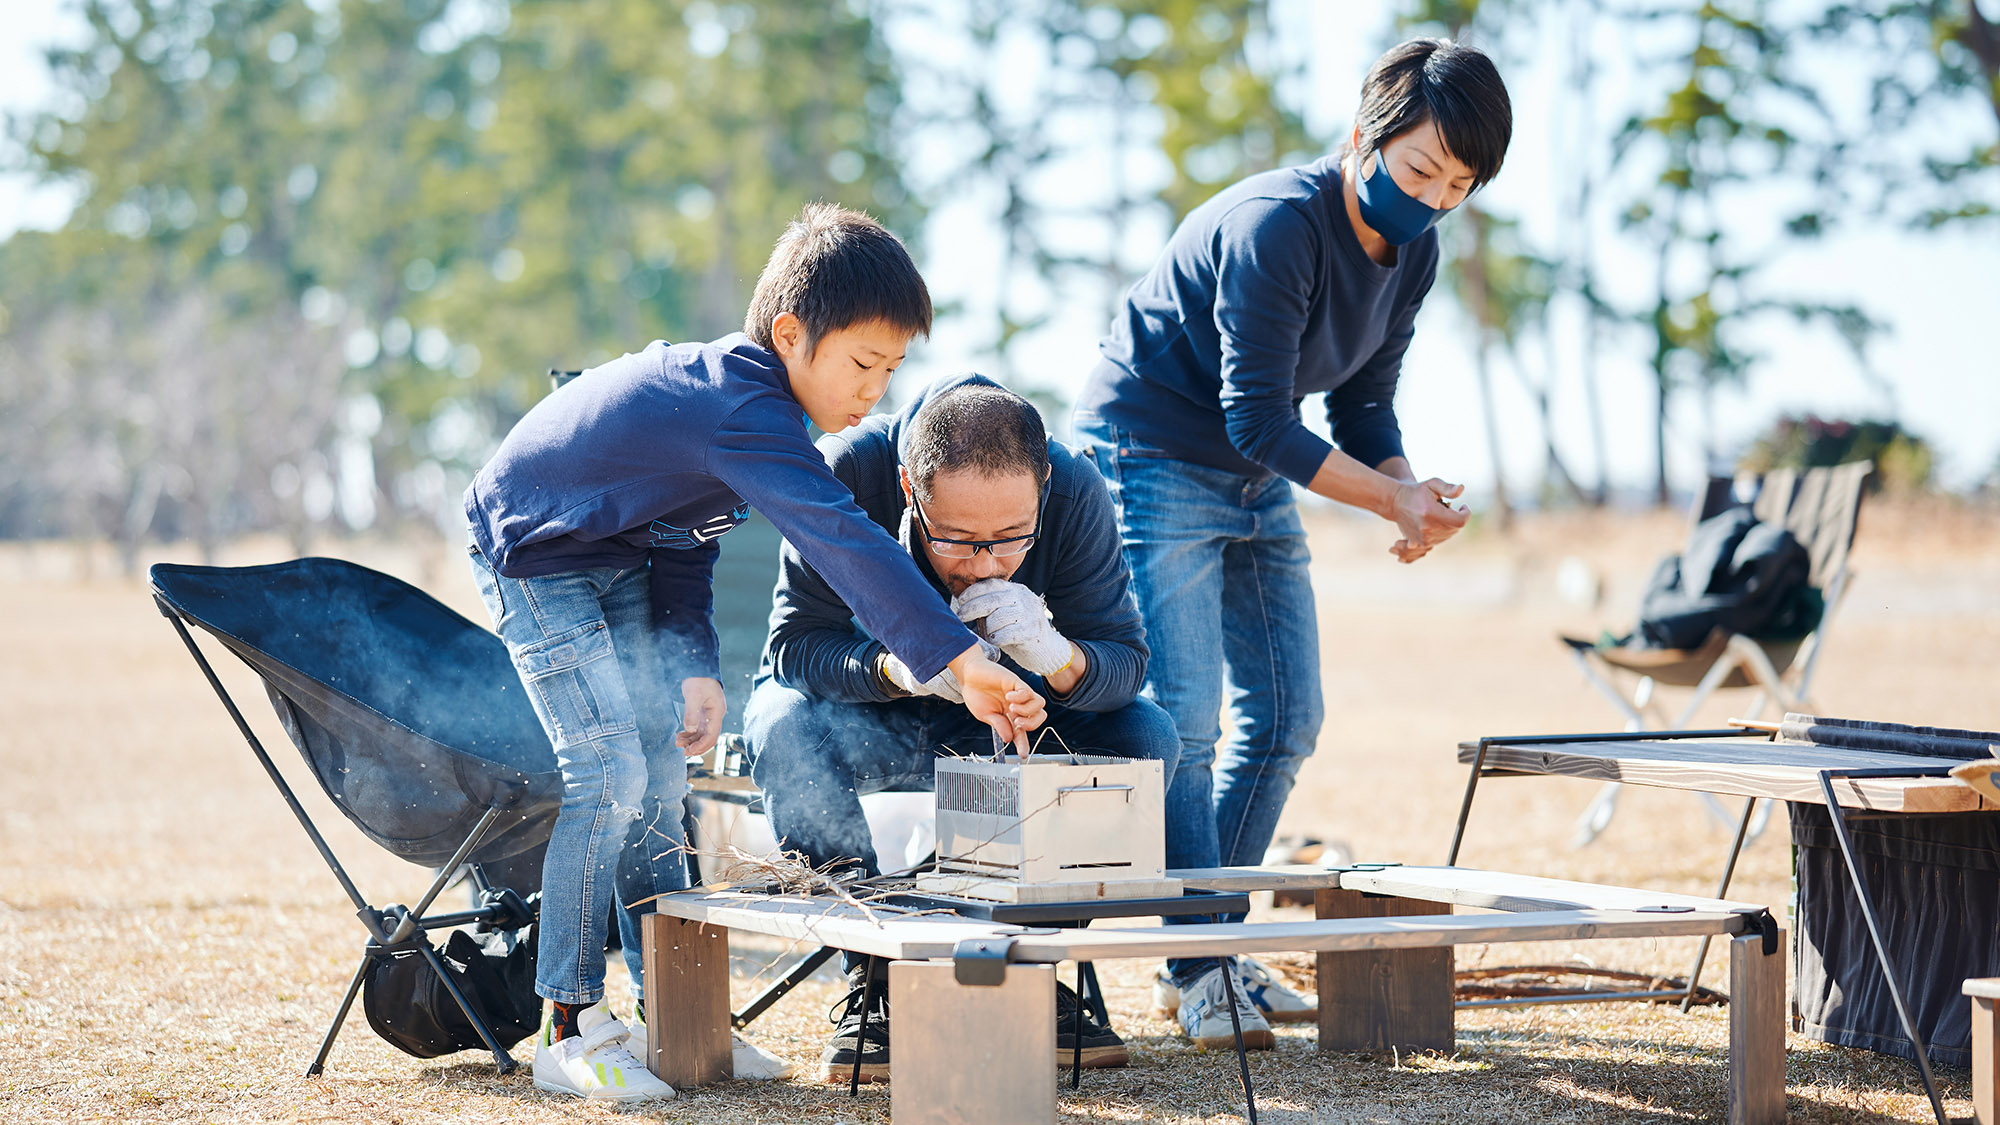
(1392, 214)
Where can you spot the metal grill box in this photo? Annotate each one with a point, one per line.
(1051, 828)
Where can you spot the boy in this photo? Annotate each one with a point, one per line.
(593, 535)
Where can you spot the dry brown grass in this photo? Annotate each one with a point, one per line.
(170, 947)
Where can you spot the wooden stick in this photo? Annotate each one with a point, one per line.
(1756, 724)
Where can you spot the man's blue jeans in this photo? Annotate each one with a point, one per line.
(599, 677)
(815, 758)
(1222, 574)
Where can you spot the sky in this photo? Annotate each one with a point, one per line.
(1938, 294)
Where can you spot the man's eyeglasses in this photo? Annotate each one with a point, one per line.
(966, 548)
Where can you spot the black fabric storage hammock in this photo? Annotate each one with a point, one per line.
(411, 718)
(1934, 882)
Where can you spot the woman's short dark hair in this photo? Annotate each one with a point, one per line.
(975, 426)
(834, 268)
(1438, 80)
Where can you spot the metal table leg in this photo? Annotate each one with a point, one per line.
(1874, 925)
(1721, 891)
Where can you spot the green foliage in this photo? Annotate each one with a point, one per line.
(1903, 461)
(393, 216)
(1921, 60)
(1112, 71)
(1221, 115)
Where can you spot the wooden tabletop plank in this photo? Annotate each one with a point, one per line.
(1348, 935)
(1501, 890)
(1277, 877)
(824, 921)
(1987, 988)
(1786, 771)
(930, 937)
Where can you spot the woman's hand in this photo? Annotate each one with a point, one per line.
(1425, 517)
(701, 718)
(999, 698)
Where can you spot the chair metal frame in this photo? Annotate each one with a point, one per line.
(1821, 507)
(393, 929)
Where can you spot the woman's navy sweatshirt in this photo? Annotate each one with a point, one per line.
(653, 456)
(1262, 297)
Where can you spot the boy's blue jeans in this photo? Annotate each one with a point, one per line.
(600, 681)
(815, 758)
(1221, 571)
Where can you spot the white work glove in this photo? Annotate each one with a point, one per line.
(944, 685)
(1013, 617)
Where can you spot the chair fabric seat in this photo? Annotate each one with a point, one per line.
(1685, 667)
(411, 718)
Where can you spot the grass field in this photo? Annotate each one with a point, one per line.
(170, 946)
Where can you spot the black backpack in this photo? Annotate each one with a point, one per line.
(408, 1006)
(1738, 575)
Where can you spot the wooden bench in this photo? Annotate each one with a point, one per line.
(1383, 934)
(1985, 995)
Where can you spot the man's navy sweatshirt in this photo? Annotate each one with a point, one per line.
(653, 456)
(1077, 566)
(1262, 297)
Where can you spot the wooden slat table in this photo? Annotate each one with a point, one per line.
(1384, 936)
(1746, 767)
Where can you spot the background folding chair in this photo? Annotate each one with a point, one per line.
(411, 719)
(1821, 508)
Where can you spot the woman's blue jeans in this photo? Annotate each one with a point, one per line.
(600, 680)
(1222, 574)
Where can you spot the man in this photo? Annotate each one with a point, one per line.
(1294, 282)
(1019, 533)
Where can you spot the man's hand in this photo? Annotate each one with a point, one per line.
(701, 717)
(1425, 517)
(998, 697)
(1014, 617)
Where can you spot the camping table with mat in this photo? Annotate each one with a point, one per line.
(1384, 935)
(1856, 771)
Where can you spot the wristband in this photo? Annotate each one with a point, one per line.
(880, 666)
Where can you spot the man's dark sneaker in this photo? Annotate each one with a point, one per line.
(1101, 1045)
(836, 1063)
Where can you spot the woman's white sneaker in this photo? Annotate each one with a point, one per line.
(1279, 1002)
(595, 1063)
(1204, 1014)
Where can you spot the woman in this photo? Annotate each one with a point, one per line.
(1300, 281)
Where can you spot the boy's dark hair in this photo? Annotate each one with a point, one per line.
(975, 426)
(834, 268)
(1438, 80)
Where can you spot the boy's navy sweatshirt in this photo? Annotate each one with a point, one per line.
(1262, 297)
(654, 455)
(1077, 566)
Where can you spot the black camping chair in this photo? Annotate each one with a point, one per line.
(412, 720)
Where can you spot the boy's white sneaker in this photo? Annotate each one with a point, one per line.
(595, 1063)
(1204, 1014)
(755, 1063)
(1279, 1002)
(749, 1061)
